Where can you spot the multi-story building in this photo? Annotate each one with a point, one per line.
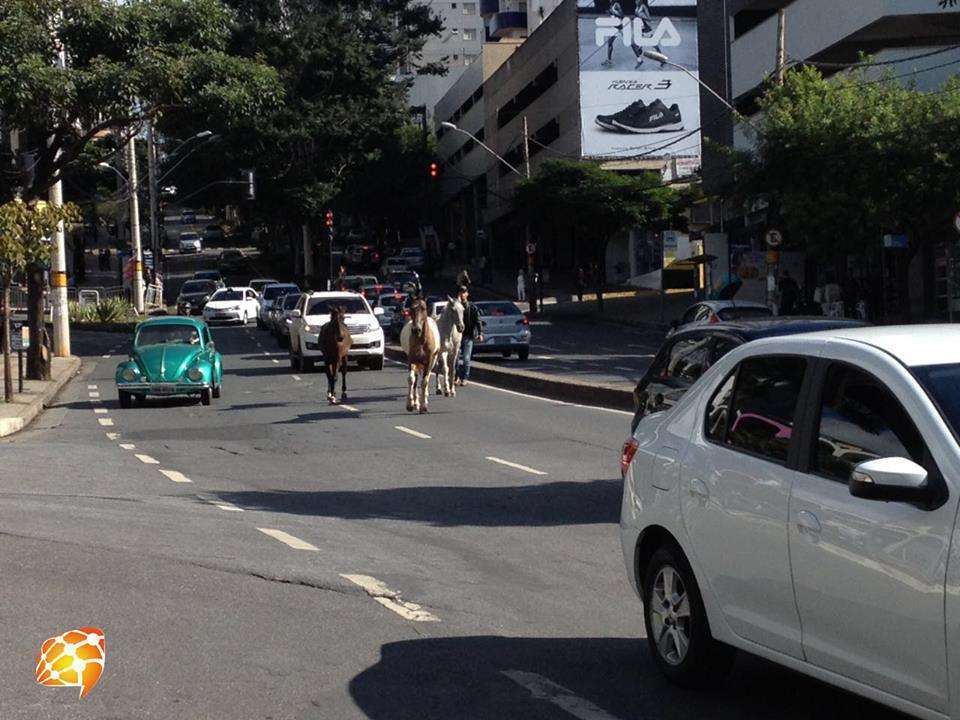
(915, 39)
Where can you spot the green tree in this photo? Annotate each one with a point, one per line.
(25, 229)
(125, 63)
(597, 203)
(847, 159)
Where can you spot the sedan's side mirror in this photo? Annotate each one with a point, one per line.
(295, 313)
(378, 311)
(211, 346)
(893, 479)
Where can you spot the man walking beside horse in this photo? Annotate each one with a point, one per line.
(472, 332)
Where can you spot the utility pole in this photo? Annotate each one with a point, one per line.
(526, 148)
(58, 263)
(135, 248)
(781, 45)
(156, 244)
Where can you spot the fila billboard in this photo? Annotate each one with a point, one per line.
(630, 105)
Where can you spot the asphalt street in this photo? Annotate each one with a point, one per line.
(273, 557)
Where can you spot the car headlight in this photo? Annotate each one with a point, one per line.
(234, 307)
(129, 374)
(195, 374)
(309, 328)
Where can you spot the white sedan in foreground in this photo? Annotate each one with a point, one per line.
(235, 304)
(800, 503)
(313, 311)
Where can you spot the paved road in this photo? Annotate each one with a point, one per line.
(500, 587)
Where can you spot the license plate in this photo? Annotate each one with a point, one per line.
(163, 389)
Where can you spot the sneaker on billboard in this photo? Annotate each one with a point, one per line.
(653, 118)
(609, 122)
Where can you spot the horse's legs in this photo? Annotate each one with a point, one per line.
(331, 373)
(441, 375)
(452, 370)
(411, 387)
(343, 379)
(427, 370)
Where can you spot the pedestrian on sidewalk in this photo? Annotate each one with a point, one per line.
(463, 278)
(521, 286)
(581, 283)
(472, 332)
(536, 292)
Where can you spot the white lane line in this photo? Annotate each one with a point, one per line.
(542, 689)
(105, 357)
(294, 542)
(351, 408)
(391, 599)
(544, 357)
(516, 466)
(414, 433)
(217, 502)
(100, 411)
(91, 387)
(175, 475)
(106, 422)
(274, 361)
(93, 394)
(266, 353)
(127, 446)
(625, 369)
(296, 377)
(147, 460)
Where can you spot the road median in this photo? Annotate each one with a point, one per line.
(37, 395)
(542, 384)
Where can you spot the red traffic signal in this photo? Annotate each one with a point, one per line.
(328, 221)
(434, 169)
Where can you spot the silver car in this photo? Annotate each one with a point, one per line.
(281, 317)
(506, 329)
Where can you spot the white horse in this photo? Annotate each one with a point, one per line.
(420, 340)
(451, 335)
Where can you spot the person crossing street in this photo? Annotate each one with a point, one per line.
(472, 332)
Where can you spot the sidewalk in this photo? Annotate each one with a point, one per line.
(36, 395)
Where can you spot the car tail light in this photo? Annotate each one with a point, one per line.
(714, 318)
(626, 455)
(406, 313)
(524, 321)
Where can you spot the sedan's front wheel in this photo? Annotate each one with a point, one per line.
(126, 399)
(677, 628)
(206, 396)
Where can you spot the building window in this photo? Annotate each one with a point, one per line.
(469, 34)
(470, 8)
(468, 59)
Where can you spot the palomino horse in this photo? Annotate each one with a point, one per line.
(451, 334)
(335, 342)
(420, 340)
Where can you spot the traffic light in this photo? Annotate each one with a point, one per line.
(328, 219)
(434, 170)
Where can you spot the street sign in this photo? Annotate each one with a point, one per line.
(774, 238)
(19, 336)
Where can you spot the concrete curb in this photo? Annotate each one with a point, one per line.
(24, 413)
(542, 384)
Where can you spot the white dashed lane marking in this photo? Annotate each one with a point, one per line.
(100, 411)
(91, 387)
(414, 433)
(112, 436)
(274, 361)
(542, 689)
(351, 408)
(515, 466)
(106, 422)
(147, 460)
(175, 475)
(93, 394)
(390, 599)
(217, 502)
(127, 446)
(105, 357)
(287, 539)
(297, 377)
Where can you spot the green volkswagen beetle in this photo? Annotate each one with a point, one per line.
(170, 356)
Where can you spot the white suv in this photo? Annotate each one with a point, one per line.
(313, 311)
(800, 503)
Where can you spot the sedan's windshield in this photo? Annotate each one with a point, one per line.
(497, 309)
(942, 383)
(321, 306)
(272, 292)
(290, 301)
(226, 295)
(198, 286)
(168, 335)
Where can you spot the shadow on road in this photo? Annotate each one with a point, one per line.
(549, 504)
(463, 677)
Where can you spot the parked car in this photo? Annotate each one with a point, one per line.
(258, 284)
(406, 281)
(170, 356)
(687, 354)
(313, 312)
(800, 503)
(391, 304)
(284, 317)
(214, 233)
(413, 256)
(235, 304)
(268, 296)
(713, 311)
(190, 242)
(505, 328)
(213, 275)
(194, 295)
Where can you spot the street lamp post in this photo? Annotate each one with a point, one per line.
(135, 247)
(478, 141)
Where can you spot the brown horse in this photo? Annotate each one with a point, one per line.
(335, 342)
(420, 340)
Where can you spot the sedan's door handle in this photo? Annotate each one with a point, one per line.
(698, 488)
(807, 523)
